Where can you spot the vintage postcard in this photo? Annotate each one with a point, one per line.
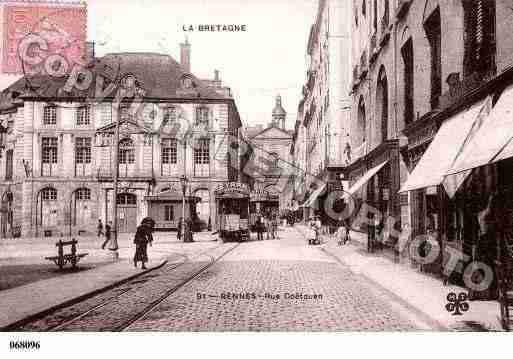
(256, 166)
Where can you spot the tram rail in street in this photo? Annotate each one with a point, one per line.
(55, 320)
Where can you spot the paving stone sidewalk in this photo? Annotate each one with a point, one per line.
(420, 290)
(26, 300)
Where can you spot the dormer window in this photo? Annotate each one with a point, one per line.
(187, 82)
(83, 116)
(128, 82)
(50, 115)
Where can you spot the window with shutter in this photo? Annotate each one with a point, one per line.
(479, 37)
(407, 54)
(434, 35)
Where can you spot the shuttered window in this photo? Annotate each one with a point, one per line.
(479, 36)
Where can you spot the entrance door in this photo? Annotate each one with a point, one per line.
(127, 213)
(203, 207)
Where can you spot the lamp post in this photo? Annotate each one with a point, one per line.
(8, 197)
(183, 182)
(114, 240)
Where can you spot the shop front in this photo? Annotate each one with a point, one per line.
(374, 180)
(460, 188)
(166, 209)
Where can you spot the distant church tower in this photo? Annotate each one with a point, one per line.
(279, 114)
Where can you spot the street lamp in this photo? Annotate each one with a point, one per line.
(183, 182)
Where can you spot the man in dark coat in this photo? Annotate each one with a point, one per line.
(108, 229)
(142, 238)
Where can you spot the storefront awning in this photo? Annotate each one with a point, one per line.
(440, 155)
(492, 141)
(365, 178)
(315, 194)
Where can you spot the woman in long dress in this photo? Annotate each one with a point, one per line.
(142, 238)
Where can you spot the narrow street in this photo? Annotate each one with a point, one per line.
(274, 285)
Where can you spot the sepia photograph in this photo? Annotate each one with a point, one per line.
(234, 166)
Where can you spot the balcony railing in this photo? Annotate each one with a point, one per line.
(460, 88)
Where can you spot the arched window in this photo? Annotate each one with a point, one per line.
(83, 194)
(382, 102)
(364, 8)
(126, 151)
(361, 121)
(49, 194)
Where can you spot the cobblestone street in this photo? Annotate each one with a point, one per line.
(278, 285)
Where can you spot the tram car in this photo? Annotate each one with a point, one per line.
(264, 202)
(232, 201)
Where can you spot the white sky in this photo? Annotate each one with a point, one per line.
(269, 58)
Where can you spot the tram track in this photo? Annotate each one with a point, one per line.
(60, 320)
(156, 303)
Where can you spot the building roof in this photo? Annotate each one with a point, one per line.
(287, 133)
(158, 74)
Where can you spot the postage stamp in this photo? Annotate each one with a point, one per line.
(62, 26)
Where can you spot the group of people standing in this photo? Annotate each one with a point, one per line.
(187, 236)
(266, 222)
(143, 237)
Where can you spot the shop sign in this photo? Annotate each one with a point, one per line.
(232, 187)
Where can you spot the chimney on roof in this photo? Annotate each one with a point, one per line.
(89, 52)
(185, 55)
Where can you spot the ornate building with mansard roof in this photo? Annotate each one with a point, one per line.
(58, 145)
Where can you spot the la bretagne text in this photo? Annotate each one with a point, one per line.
(215, 28)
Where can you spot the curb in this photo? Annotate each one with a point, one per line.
(12, 326)
(433, 323)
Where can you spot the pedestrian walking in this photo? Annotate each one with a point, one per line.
(268, 225)
(259, 224)
(100, 228)
(188, 236)
(108, 230)
(274, 225)
(179, 231)
(142, 238)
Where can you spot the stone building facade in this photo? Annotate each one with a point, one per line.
(420, 65)
(322, 132)
(58, 147)
(270, 146)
